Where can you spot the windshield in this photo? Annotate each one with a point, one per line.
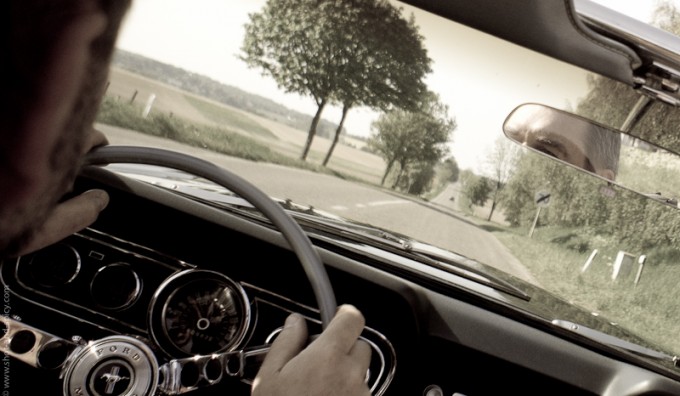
(411, 142)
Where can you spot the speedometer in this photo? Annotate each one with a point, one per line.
(199, 312)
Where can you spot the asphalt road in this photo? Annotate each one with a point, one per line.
(438, 224)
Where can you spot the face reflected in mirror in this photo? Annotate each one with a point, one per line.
(566, 137)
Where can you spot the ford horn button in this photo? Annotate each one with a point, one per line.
(112, 366)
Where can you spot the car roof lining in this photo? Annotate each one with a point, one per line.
(551, 27)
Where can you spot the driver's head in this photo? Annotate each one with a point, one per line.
(54, 68)
(568, 138)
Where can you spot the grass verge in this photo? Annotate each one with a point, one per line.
(556, 258)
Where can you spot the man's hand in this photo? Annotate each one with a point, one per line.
(74, 214)
(66, 218)
(332, 365)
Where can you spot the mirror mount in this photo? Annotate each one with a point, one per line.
(636, 113)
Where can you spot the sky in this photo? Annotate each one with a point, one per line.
(204, 36)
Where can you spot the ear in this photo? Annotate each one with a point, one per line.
(27, 158)
(607, 174)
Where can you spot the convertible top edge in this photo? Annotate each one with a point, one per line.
(560, 27)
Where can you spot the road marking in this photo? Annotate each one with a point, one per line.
(370, 204)
(383, 203)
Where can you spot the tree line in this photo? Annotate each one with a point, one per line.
(357, 54)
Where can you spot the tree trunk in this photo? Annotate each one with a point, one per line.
(495, 199)
(399, 175)
(345, 109)
(312, 129)
(387, 172)
(493, 207)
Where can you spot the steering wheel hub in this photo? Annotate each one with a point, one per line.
(112, 366)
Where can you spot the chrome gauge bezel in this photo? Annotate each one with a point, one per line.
(133, 294)
(38, 257)
(169, 289)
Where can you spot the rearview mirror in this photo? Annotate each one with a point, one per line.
(597, 149)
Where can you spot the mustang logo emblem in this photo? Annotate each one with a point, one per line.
(112, 378)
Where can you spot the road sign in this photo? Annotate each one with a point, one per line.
(542, 198)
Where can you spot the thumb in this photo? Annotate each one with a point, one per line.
(68, 217)
(286, 346)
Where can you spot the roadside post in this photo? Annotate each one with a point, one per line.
(149, 103)
(641, 265)
(589, 261)
(542, 199)
(623, 265)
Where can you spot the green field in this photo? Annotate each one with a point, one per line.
(221, 115)
(274, 137)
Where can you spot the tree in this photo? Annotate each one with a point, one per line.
(419, 178)
(422, 181)
(667, 17)
(501, 162)
(450, 169)
(292, 41)
(575, 196)
(337, 52)
(407, 138)
(446, 172)
(476, 189)
(383, 62)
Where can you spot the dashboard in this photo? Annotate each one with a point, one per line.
(170, 278)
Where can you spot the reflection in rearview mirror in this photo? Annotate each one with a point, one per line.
(566, 137)
(599, 150)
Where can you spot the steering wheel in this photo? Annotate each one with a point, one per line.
(136, 358)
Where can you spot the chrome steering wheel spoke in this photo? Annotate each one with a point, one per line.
(185, 375)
